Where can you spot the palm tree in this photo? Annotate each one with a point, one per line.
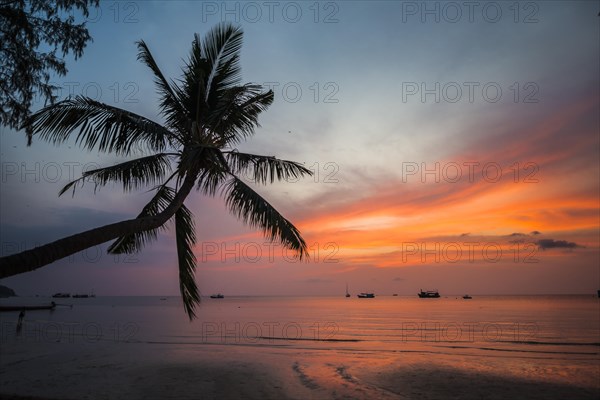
(206, 113)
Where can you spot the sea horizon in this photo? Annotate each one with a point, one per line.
(303, 200)
(207, 295)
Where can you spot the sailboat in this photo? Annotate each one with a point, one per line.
(347, 294)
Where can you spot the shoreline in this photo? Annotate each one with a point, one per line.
(304, 349)
(231, 372)
(409, 383)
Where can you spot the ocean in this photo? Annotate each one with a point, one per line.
(310, 347)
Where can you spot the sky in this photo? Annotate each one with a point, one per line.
(454, 146)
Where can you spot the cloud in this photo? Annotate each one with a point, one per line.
(556, 244)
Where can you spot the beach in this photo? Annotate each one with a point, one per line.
(226, 357)
(221, 372)
(299, 200)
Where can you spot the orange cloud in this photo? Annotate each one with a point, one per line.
(536, 183)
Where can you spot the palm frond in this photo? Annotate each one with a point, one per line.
(191, 157)
(185, 235)
(236, 117)
(223, 111)
(209, 163)
(221, 46)
(135, 242)
(170, 103)
(107, 128)
(255, 211)
(265, 169)
(214, 171)
(210, 180)
(192, 90)
(133, 174)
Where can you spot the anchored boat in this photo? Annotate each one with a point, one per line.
(429, 294)
(365, 295)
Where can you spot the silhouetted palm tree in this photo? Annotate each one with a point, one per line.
(206, 113)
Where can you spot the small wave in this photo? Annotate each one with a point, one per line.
(552, 343)
(520, 350)
(309, 339)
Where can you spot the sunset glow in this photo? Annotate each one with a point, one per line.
(420, 170)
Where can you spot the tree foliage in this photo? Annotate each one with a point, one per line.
(206, 113)
(35, 36)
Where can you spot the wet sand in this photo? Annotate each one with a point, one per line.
(167, 371)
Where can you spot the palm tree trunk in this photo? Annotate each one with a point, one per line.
(33, 259)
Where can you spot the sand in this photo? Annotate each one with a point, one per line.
(170, 371)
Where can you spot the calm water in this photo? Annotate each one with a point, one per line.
(321, 347)
(561, 323)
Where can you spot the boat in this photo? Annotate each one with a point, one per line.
(395, 294)
(61, 295)
(467, 297)
(365, 295)
(347, 294)
(429, 294)
(217, 296)
(27, 308)
(81, 296)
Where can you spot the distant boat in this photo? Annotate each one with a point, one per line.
(61, 295)
(347, 294)
(217, 296)
(395, 294)
(365, 295)
(467, 297)
(26, 308)
(429, 294)
(81, 296)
